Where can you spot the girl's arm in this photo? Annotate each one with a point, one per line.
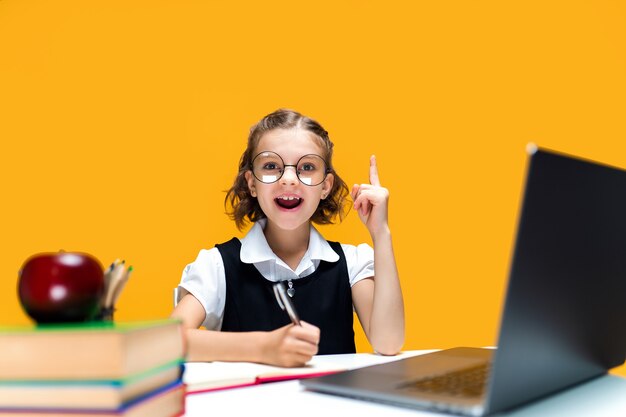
(378, 300)
(287, 346)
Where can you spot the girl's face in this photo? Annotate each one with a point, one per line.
(288, 203)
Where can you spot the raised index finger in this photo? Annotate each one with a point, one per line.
(374, 180)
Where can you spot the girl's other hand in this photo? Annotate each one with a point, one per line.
(371, 202)
(291, 346)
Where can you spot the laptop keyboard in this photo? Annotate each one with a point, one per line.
(468, 382)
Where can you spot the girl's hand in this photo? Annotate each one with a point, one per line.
(291, 345)
(372, 201)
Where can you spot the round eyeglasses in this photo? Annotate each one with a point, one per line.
(268, 167)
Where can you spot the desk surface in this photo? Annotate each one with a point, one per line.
(602, 397)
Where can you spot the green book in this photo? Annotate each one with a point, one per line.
(89, 394)
(88, 351)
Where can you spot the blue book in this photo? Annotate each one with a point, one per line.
(166, 401)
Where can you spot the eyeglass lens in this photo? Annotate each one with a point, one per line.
(268, 167)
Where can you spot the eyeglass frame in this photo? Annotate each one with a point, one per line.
(327, 171)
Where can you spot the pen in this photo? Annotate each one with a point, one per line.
(285, 302)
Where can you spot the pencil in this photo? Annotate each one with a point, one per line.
(116, 275)
(117, 291)
(107, 281)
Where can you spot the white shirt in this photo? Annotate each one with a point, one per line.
(205, 278)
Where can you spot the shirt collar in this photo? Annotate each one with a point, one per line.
(255, 249)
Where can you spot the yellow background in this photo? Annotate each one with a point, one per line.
(122, 122)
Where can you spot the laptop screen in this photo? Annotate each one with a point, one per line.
(565, 311)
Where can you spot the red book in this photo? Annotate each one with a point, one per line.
(213, 376)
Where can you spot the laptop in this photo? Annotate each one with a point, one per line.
(564, 316)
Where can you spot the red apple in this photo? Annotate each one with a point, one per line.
(61, 287)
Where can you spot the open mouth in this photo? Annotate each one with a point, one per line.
(288, 202)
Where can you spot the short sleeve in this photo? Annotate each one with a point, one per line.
(360, 261)
(205, 279)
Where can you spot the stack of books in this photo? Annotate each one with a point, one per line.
(94, 369)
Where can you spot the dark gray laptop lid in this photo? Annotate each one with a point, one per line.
(564, 319)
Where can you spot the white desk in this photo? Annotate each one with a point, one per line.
(603, 397)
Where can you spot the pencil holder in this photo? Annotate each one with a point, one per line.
(105, 314)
